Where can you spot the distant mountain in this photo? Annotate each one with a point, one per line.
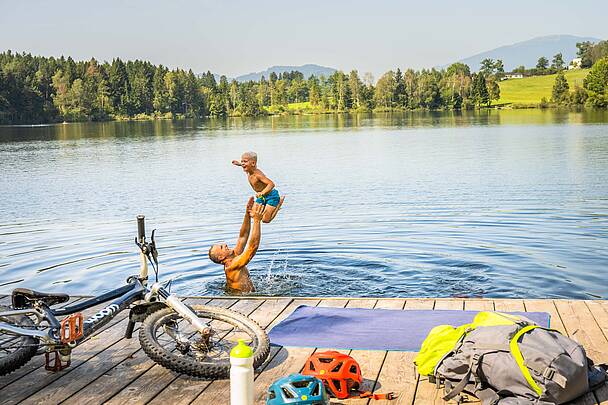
(527, 52)
(306, 70)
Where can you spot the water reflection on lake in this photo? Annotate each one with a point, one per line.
(496, 203)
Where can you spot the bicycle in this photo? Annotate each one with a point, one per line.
(193, 340)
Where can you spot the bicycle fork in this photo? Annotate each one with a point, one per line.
(178, 306)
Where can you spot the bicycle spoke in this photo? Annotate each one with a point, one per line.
(216, 349)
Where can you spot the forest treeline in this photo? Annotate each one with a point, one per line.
(44, 89)
(36, 89)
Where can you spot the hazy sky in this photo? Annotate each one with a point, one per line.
(237, 37)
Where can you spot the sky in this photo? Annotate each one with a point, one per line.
(239, 37)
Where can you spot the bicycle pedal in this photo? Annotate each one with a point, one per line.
(58, 362)
(71, 328)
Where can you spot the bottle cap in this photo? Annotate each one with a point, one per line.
(241, 350)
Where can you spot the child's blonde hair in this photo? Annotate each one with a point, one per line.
(251, 155)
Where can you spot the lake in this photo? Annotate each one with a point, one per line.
(510, 203)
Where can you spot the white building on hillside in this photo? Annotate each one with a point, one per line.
(513, 76)
(575, 64)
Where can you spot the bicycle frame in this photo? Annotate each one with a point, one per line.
(123, 298)
(136, 291)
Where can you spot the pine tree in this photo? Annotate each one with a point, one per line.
(160, 102)
(493, 89)
(558, 62)
(542, 64)
(561, 89)
(481, 95)
(487, 66)
(400, 95)
(119, 85)
(596, 84)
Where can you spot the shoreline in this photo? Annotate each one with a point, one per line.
(306, 112)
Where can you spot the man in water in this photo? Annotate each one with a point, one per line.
(235, 260)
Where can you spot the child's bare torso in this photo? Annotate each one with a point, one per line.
(255, 181)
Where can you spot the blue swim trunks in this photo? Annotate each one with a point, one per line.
(271, 198)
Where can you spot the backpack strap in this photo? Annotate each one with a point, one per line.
(369, 394)
(519, 358)
(487, 393)
(458, 388)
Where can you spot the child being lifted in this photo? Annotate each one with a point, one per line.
(264, 189)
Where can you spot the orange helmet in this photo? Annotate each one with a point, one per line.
(339, 372)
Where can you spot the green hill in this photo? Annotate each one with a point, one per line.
(530, 90)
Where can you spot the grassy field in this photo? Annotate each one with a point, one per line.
(530, 90)
(517, 92)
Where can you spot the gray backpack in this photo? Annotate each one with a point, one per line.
(517, 364)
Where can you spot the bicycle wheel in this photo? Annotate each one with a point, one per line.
(172, 342)
(15, 350)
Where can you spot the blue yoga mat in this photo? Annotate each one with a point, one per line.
(370, 329)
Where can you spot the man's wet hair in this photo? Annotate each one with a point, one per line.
(212, 256)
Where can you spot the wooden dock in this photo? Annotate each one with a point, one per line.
(111, 369)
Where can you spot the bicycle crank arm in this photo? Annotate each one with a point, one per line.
(175, 303)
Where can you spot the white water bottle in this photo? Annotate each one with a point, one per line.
(241, 374)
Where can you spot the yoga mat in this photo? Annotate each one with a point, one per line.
(370, 329)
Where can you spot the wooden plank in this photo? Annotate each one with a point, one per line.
(152, 381)
(127, 370)
(599, 311)
(478, 305)
(218, 391)
(549, 307)
(390, 304)
(361, 303)
(582, 327)
(419, 303)
(449, 304)
(504, 305)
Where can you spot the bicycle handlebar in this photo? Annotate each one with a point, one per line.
(141, 228)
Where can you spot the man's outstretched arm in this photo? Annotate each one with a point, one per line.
(245, 229)
(254, 241)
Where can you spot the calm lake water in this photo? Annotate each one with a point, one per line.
(496, 204)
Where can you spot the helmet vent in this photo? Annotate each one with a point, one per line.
(337, 384)
(325, 360)
(316, 391)
(312, 366)
(353, 369)
(287, 393)
(272, 395)
(300, 384)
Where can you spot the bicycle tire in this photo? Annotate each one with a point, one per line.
(187, 365)
(28, 346)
